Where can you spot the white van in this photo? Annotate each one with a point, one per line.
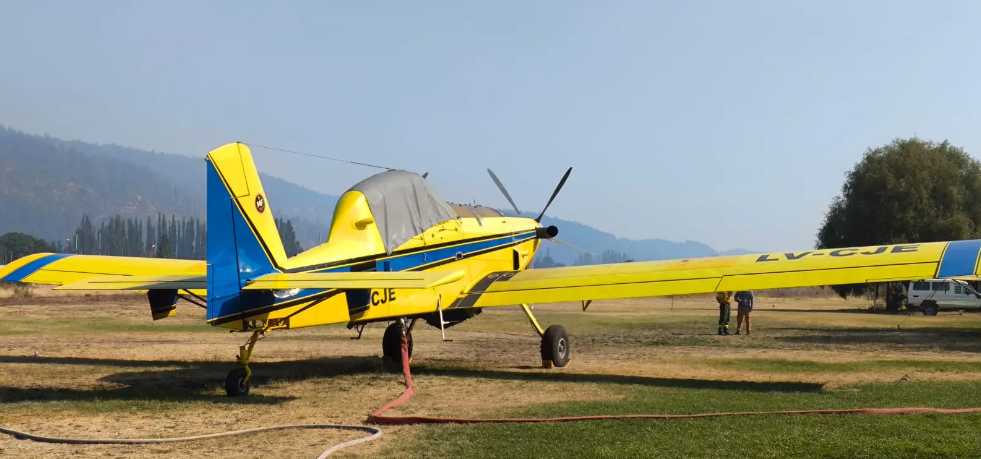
(931, 295)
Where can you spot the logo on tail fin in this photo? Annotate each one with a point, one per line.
(260, 203)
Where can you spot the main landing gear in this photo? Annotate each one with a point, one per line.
(555, 342)
(392, 341)
(237, 381)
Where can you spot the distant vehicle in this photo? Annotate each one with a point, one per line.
(932, 295)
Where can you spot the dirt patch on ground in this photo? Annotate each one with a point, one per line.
(100, 367)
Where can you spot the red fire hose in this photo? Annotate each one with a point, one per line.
(377, 418)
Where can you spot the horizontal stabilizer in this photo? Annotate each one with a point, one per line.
(966, 278)
(355, 280)
(158, 282)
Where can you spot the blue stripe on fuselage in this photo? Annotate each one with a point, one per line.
(21, 273)
(960, 259)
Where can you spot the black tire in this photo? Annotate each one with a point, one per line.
(555, 346)
(235, 384)
(929, 308)
(392, 343)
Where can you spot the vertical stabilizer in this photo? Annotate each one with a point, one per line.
(243, 241)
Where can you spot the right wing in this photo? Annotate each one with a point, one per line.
(811, 268)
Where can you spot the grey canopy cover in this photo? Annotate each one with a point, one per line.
(403, 205)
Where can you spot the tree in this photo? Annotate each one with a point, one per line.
(16, 245)
(908, 191)
(151, 239)
(86, 237)
(288, 236)
(164, 249)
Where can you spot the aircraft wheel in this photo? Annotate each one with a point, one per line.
(555, 346)
(392, 343)
(235, 384)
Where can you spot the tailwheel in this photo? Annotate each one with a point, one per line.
(236, 383)
(238, 380)
(392, 343)
(555, 347)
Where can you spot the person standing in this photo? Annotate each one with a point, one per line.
(724, 311)
(745, 301)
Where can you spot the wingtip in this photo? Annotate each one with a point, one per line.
(13, 266)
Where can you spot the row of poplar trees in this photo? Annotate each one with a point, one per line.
(186, 238)
(607, 257)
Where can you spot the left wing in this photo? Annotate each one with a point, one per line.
(853, 265)
(65, 268)
(354, 280)
(162, 282)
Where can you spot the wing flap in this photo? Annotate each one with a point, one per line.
(707, 275)
(355, 280)
(157, 282)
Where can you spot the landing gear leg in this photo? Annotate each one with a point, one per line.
(555, 342)
(237, 381)
(392, 341)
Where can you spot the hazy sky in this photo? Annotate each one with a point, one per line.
(731, 123)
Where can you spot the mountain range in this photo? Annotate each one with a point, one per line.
(47, 184)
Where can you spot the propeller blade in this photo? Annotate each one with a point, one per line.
(503, 190)
(557, 241)
(554, 193)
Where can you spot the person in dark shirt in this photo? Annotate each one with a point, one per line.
(745, 302)
(723, 299)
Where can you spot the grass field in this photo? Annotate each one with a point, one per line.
(99, 367)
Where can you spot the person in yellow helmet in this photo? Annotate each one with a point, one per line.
(724, 311)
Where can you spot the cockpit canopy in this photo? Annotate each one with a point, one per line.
(468, 211)
(403, 205)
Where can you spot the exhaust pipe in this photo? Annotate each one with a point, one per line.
(547, 232)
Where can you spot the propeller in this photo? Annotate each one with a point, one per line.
(505, 191)
(551, 232)
(554, 194)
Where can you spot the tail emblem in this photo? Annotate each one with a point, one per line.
(260, 203)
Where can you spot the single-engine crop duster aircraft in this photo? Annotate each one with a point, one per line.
(398, 252)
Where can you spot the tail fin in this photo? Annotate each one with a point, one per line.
(243, 241)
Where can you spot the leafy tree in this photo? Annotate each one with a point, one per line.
(16, 245)
(908, 191)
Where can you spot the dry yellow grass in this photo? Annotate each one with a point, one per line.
(104, 369)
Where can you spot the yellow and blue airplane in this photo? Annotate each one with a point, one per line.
(398, 253)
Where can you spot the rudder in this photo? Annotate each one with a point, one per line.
(243, 241)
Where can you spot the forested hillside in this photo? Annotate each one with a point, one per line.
(48, 184)
(45, 189)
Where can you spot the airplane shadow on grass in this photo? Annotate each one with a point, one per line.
(203, 381)
(189, 381)
(910, 339)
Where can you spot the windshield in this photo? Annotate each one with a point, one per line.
(967, 286)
